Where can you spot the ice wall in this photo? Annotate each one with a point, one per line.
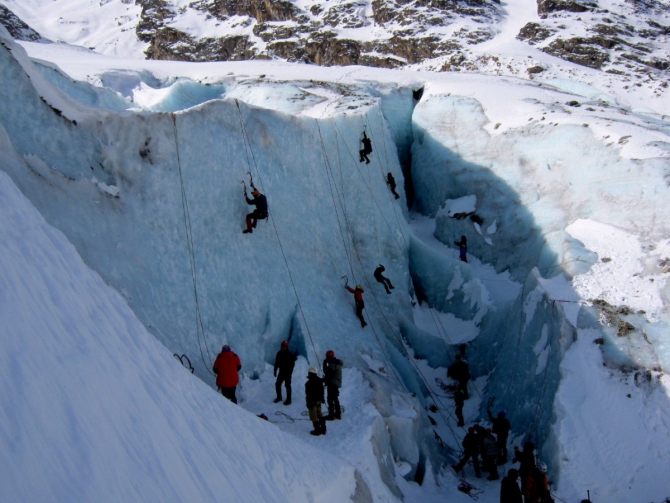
(131, 190)
(525, 187)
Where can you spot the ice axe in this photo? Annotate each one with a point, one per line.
(245, 188)
(346, 280)
(251, 180)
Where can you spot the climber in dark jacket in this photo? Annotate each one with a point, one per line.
(390, 181)
(460, 372)
(367, 148)
(314, 399)
(462, 248)
(509, 489)
(470, 450)
(383, 279)
(501, 427)
(358, 299)
(332, 378)
(284, 363)
(259, 213)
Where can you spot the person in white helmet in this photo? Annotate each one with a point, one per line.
(314, 397)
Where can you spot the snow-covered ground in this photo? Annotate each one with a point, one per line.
(573, 227)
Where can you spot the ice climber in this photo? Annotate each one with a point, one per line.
(390, 181)
(284, 363)
(360, 304)
(226, 366)
(490, 454)
(509, 489)
(332, 378)
(314, 399)
(366, 150)
(501, 427)
(470, 450)
(383, 279)
(460, 372)
(459, 401)
(259, 213)
(462, 249)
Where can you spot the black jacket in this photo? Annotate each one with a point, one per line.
(260, 202)
(314, 390)
(501, 425)
(284, 362)
(459, 371)
(391, 181)
(509, 491)
(378, 273)
(332, 372)
(471, 443)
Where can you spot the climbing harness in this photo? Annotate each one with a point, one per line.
(186, 364)
(469, 489)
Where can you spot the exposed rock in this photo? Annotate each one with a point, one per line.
(535, 69)
(583, 51)
(327, 50)
(261, 10)
(533, 33)
(545, 7)
(17, 28)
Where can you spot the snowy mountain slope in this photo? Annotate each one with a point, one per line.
(508, 143)
(94, 408)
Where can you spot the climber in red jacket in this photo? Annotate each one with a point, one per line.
(358, 298)
(226, 367)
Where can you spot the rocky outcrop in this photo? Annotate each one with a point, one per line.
(545, 7)
(17, 28)
(583, 51)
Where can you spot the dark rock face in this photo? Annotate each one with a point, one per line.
(262, 10)
(534, 33)
(545, 7)
(583, 51)
(16, 27)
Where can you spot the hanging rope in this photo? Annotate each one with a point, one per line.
(372, 194)
(199, 327)
(247, 141)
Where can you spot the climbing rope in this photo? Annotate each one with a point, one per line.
(199, 327)
(247, 141)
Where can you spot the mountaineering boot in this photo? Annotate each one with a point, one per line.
(322, 426)
(288, 396)
(277, 400)
(363, 324)
(287, 401)
(330, 416)
(248, 230)
(317, 429)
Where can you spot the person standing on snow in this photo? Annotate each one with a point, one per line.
(313, 399)
(509, 489)
(501, 427)
(460, 372)
(462, 249)
(360, 304)
(226, 366)
(332, 378)
(367, 148)
(383, 279)
(261, 211)
(459, 400)
(526, 458)
(470, 450)
(284, 363)
(489, 454)
(390, 181)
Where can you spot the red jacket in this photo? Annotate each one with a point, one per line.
(358, 294)
(226, 366)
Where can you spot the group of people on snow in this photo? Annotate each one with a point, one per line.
(486, 448)
(227, 365)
